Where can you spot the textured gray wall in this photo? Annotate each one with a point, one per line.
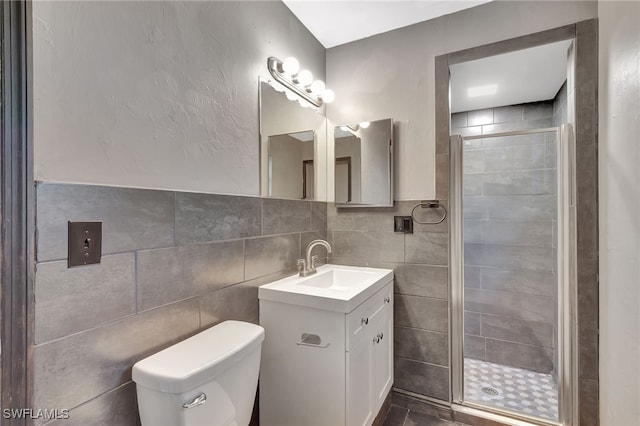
(510, 279)
(173, 263)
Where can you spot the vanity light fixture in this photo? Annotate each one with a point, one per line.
(364, 124)
(288, 74)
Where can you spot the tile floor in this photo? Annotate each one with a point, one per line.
(400, 416)
(520, 391)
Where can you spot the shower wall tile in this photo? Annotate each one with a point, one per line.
(518, 330)
(177, 273)
(421, 312)
(530, 182)
(475, 347)
(116, 405)
(472, 323)
(523, 208)
(519, 281)
(510, 158)
(522, 233)
(537, 111)
(266, 255)
(512, 127)
(459, 119)
(422, 378)
(507, 114)
(472, 231)
(480, 117)
(282, 216)
(421, 345)
(208, 217)
(473, 162)
(72, 300)
(509, 256)
(472, 276)
(514, 305)
(514, 140)
(530, 357)
(75, 369)
(132, 219)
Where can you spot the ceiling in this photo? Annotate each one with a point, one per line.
(528, 75)
(336, 22)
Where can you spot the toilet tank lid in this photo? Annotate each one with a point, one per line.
(198, 359)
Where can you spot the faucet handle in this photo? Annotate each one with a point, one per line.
(314, 259)
(301, 265)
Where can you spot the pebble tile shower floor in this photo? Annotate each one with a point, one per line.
(518, 390)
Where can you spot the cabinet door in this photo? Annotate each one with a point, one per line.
(383, 358)
(360, 397)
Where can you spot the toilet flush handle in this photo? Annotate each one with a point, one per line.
(198, 400)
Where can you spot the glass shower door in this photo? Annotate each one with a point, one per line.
(508, 302)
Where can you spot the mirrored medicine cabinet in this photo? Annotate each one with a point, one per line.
(292, 146)
(364, 164)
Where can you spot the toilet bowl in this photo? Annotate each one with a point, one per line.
(209, 379)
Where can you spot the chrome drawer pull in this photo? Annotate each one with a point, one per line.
(364, 320)
(312, 340)
(198, 400)
(387, 300)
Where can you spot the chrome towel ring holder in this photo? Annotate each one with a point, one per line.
(432, 204)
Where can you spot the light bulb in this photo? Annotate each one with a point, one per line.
(304, 78)
(317, 87)
(291, 65)
(328, 96)
(364, 124)
(344, 128)
(291, 96)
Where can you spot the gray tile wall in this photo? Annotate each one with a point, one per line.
(173, 263)
(365, 237)
(509, 255)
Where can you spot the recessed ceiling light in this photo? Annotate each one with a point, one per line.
(489, 89)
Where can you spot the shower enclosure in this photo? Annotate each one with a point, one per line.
(513, 273)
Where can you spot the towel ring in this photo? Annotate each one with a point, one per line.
(433, 204)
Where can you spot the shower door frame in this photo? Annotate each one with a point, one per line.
(566, 339)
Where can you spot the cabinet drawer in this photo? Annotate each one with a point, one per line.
(361, 319)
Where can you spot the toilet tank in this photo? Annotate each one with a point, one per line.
(221, 363)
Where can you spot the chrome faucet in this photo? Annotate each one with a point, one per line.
(307, 266)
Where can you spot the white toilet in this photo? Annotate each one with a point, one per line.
(209, 379)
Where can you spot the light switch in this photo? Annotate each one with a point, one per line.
(85, 243)
(403, 224)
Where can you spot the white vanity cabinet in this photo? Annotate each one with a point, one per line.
(322, 367)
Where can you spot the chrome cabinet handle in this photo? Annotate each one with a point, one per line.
(198, 400)
(376, 339)
(387, 300)
(312, 340)
(380, 335)
(365, 320)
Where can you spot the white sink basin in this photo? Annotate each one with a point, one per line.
(334, 287)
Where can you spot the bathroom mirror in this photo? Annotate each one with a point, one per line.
(292, 146)
(364, 164)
